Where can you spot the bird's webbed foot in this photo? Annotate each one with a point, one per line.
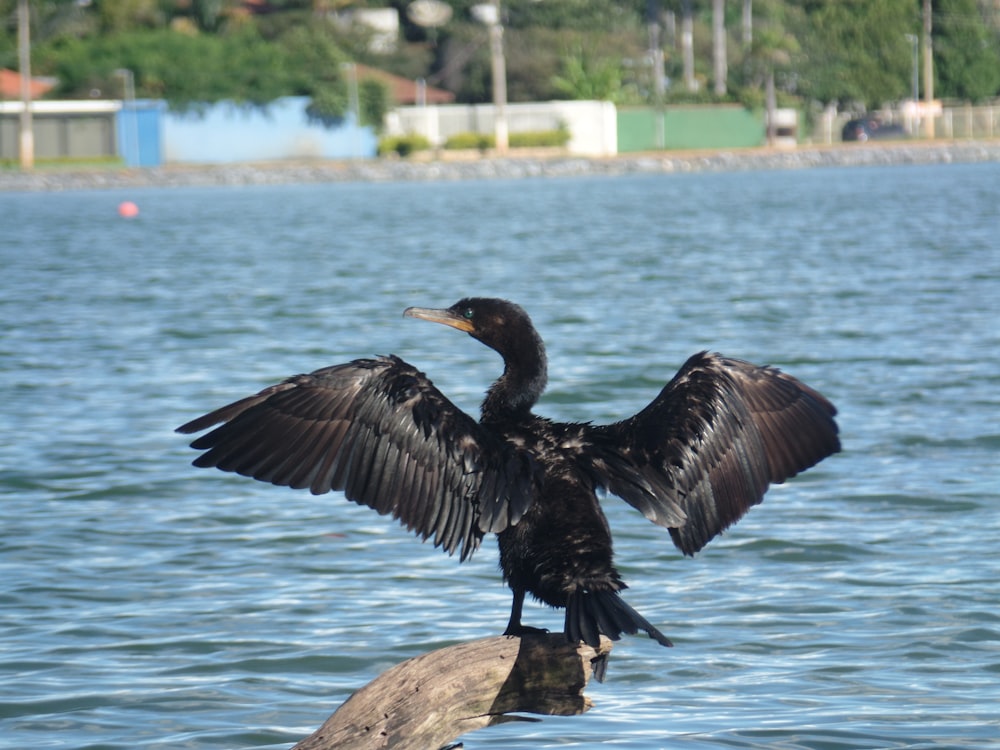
(520, 629)
(514, 626)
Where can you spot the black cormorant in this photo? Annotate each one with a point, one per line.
(694, 460)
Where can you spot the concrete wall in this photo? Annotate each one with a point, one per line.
(689, 127)
(226, 133)
(62, 130)
(140, 133)
(89, 129)
(592, 125)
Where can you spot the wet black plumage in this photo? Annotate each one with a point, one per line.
(694, 460)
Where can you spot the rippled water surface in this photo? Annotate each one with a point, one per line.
(148, 604)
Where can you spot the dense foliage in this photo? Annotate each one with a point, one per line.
(850, 52)
(967, 53)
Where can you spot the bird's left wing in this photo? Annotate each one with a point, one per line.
(709, 445)
(380, 431)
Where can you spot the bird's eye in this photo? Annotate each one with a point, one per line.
(468, 314)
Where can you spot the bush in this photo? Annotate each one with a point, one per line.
(461, 141)
(402, 145)
(540, 139)
(528, 139)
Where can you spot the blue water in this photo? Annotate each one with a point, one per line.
(148, 604)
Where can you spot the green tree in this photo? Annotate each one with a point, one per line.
(848, 51)
(586, 77)
(966, 56)
(123, 15)
(185, 70)
(857, 51)
(774, 53)
(50, 19)
(331, 103)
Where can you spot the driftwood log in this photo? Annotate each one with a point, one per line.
(427, 701)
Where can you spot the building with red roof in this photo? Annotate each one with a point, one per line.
(10, 85)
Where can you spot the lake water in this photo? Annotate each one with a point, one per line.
(149, 604)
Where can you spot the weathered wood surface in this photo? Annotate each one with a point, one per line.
(427, 701)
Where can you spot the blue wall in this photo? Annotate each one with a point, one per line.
(229, 133)
(139, 133)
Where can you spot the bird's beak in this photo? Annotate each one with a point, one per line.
(445, 317)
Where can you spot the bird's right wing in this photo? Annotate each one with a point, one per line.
(380, 431)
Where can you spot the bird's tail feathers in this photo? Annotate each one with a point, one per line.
(591, 614)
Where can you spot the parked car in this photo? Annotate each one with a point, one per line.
(870, 128)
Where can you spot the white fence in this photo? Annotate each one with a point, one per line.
(593, 126)
(952, 122)
(968, 122)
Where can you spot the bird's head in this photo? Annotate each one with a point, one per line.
(507, 329)
(501, 325)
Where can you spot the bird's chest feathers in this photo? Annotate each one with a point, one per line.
(558, 451)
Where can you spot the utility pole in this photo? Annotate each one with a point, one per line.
(747, 23)
(928, 70)
(687, 45)
(27, 139)
(770, 102)
(498, 66)
(719, 46)
(653, 17)
(351, 68)
(490, 15)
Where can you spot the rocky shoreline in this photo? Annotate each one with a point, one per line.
(513, 167)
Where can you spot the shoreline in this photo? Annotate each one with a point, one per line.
(513, 167)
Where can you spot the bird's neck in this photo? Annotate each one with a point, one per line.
(518, 389)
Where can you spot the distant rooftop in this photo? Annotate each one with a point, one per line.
(10, 85)
(403, 90)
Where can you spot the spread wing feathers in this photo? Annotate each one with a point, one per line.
(712, 441)
(380, 431)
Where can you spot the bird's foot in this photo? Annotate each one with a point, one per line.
(524, 630)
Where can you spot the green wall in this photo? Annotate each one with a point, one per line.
(720, 126)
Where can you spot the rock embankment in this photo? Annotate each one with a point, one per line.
(388, 170)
